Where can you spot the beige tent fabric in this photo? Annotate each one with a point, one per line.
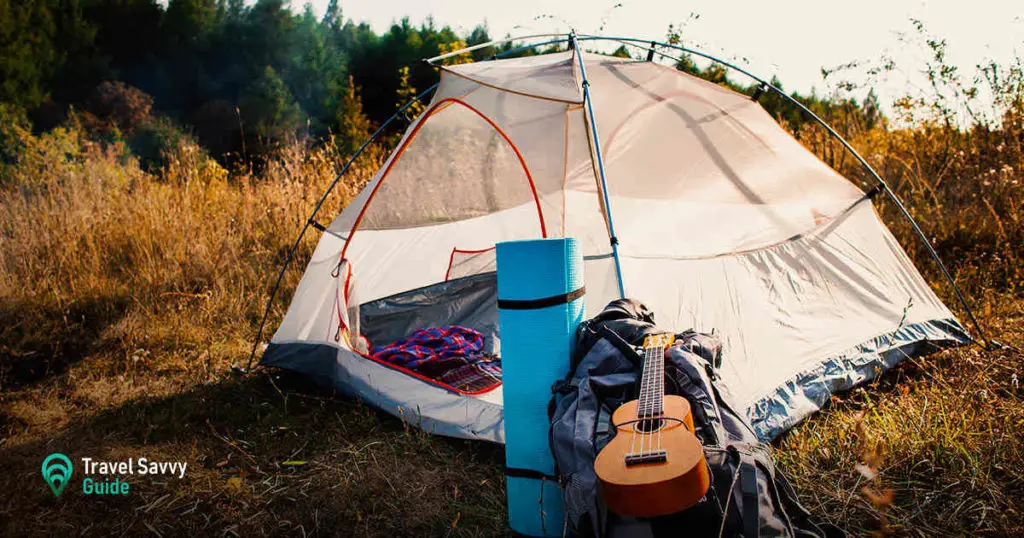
(549, 76)
(725, 222)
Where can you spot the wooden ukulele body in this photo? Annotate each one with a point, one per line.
(653, 473)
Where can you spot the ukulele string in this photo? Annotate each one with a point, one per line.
(660, 393)
(645, 389)
(649, 407)
(636, 425)
(642, 404)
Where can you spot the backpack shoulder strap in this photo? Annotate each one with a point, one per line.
(751, 505)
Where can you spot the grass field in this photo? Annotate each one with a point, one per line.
(125, 297)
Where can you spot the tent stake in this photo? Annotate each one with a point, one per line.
(988, 344)
(613, 239)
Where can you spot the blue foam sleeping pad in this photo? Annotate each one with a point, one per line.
(537, 321)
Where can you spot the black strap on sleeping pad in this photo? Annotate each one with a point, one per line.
(536, 304)
(516, 472)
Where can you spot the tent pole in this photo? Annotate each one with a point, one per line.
(319, 204)
(491, 44)
(651, 51)
(867, 167)
(613, 239)
(504, 53)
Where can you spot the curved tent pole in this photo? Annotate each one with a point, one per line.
(613, 239)
(319, 204)
(522, 48)
(650, 46)
(436, 107)
(496, 42)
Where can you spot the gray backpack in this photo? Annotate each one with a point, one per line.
(749, 497)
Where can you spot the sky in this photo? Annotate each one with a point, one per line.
(792, 39)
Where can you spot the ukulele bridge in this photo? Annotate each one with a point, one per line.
(642, 458)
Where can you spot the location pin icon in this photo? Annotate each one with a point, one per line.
(57, 471)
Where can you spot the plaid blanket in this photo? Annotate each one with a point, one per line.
(478, 373)
(450, 355)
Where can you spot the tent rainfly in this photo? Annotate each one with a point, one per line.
(722, 222)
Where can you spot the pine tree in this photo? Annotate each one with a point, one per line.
(353, 126)
(269, 113)
(28, 56)
(479, 36)
(332, 16)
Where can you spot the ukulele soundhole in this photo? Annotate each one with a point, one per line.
(648, 425)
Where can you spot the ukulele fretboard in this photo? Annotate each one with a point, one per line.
(652, 384)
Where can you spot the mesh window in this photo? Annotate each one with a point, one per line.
(458, 166)
(471, 262)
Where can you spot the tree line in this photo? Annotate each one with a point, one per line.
(239, 78)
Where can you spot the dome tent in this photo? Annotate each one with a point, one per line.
(692, 199)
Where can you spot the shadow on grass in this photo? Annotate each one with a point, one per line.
(37, 342)
(267, 454)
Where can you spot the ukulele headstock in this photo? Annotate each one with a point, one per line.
(662, 340)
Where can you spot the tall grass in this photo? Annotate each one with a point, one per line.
(101, 258)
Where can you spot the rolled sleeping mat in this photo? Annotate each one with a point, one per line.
(540, 305)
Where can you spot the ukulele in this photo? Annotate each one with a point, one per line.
(655, 464)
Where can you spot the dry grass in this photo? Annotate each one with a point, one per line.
(125, 298)
(945, 433)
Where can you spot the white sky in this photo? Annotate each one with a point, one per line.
(792, 39)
